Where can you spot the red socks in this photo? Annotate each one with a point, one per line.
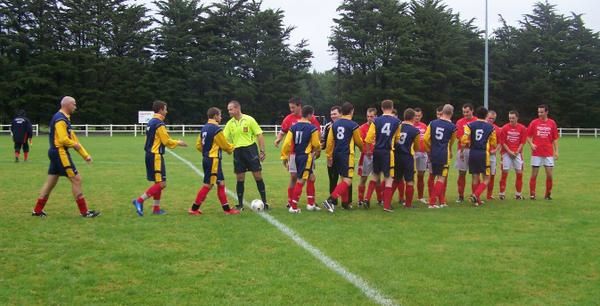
(490, 187)
(290, 194)
(361, 192)
(296, 197)
(503, 181)
(221, 194)
(25, 155)
(387, 197)
(420, 185)
(201, 196)
(310, 192)
(379, 188)
(518, 182)
(341, 190)
(400, 190)
(438, 191)
(410, 190)
(82, 205)
(430, 183)
(39, 205)
(480, 189)
(151, 192)
(532, 182)
(461, 182)
(370, 189)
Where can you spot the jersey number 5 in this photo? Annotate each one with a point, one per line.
(439, 133)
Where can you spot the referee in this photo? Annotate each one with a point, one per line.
(243, 132)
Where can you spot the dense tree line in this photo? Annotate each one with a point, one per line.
(116, 57)
(421, 53)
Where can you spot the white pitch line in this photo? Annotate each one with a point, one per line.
(352, 278)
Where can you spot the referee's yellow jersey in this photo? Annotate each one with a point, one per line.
(243, 132)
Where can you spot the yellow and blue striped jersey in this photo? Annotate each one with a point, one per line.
(62, 136)
(408, 140)
(438, 139)
(479, 135)
(301, 139)
(342, 137)
(383, 133)
(211, 141)
(157, 136)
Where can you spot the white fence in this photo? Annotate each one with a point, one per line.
(183, 129)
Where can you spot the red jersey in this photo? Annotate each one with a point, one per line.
(513, 137)
(292, 119)
(460, 128)
(364, 129)
(543, 134)
(421, 144)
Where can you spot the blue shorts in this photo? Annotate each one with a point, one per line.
(439, 169)
(405, 167)
(246, 159)
(213, 172)
(343, 165)
(383, 162)
(479, 162)
(155, 168)
(302, 164)
(61, 163)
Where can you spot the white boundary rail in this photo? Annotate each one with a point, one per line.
(183, 129)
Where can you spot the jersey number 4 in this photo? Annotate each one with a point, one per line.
(386, 129)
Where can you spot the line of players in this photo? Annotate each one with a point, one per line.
(390, 148)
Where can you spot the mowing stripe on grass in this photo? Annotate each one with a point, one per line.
(352, 278)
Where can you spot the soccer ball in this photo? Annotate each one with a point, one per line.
(257, 205)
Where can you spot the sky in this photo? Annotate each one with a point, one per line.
(313, 19)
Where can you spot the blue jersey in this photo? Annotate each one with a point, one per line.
(408, 135)
(479, 134)
(59, 116)
(343, 130)
(151, 140)
(441, 134)
(209, 146)
(385, 129)
(302, 133)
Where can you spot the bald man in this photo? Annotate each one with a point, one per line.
(62, 138)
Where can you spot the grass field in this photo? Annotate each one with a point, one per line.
(503, 253)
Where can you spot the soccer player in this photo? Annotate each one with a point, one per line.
(491, 119)
(341, 139)
(543, 139)
(244, 132)
(365, 162)
(211, 143)
(295, 105)
(335, 113)
(513, 136)
(22, 131)
(157, 138)
(439, 137)
(480, 137)
(382, 135)
(300, 148)
(462, 160)
(431, 178)
(405, 145)
(62, 138)
(420, 155)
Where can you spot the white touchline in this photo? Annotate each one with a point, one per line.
(352, 278)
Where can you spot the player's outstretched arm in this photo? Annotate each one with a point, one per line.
(166, 140)
(223, 144)
(465, 140)
(427, 139)
(357, 139)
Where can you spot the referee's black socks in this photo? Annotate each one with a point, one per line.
(239, 189)
(260, 185)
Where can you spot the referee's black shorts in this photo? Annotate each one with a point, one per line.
(246, 159)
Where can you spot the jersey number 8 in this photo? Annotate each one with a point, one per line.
(340, 132)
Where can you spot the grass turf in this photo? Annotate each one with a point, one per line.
(509, 252)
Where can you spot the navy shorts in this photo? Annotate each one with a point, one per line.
(343, 165)
(383, 162)
(246, 159)
(439, 169)
(213, 172)
(478, 162)
(405, 167)
(61, 163)
(24, 145)
(302, 164)
(155, 168)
